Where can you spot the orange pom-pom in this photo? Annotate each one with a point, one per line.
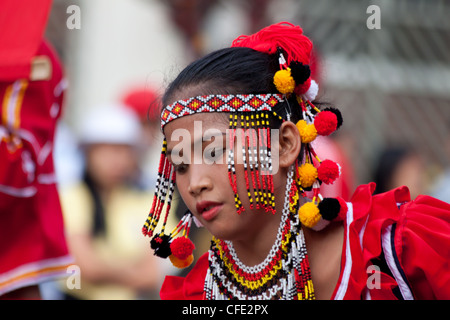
(182, 247)
(181, 263)
(328, 171)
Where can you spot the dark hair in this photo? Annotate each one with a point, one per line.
(236, 70)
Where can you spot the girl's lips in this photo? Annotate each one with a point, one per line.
(208, 209)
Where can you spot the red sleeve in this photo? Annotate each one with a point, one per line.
(422, 242)
(189, 288)
(410, 245)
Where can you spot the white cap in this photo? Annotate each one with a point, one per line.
(111, 124)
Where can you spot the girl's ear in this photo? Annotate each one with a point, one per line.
(290, 144)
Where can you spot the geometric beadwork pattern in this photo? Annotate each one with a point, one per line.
(220, 103)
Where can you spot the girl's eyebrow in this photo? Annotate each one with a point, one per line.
(206, 137)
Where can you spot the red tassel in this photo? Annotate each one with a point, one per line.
(285, 35)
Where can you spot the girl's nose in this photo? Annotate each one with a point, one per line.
(199, 180)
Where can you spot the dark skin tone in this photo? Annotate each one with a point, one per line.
(254, 231)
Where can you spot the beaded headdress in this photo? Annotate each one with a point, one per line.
(255, 113)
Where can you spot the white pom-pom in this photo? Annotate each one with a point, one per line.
(312, 91)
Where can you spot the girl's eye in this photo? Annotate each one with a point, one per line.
(213, 154)
(180, 168)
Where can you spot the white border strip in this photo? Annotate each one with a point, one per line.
(34, 267)
(26, 192)
(390, 260)
(342, 290)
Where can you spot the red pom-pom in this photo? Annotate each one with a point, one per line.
(328, 171)
(182, 247)
(326, 123)
(343, 212)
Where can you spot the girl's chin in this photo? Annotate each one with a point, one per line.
(225, 231)
(229, 225)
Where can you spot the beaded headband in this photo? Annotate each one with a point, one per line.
(220, 103)
(256, 111)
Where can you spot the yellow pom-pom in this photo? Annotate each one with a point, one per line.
(308, 132)
(307, 174)
(179, 263)
(283, 81)
(309, 214)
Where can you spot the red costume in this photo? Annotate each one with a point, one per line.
(32, 242)
(408, 242)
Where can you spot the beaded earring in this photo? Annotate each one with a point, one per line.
(295, 79)
(179, 250)
(310, 174)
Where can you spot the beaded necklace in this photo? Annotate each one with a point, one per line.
(284, 274)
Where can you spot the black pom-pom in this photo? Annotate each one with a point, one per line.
(161, 245)
(300, 72)
(338, 114)
(329, 208)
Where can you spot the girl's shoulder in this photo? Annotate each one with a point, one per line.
(399, 248)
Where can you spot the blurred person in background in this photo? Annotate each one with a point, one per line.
(400, 166)
(441, 187)
(145, 103)
(103, 212)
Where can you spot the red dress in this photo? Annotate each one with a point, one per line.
(32, 242)
(394, 248)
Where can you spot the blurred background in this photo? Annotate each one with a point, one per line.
(392, 83)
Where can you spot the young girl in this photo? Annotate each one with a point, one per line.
(239, 127)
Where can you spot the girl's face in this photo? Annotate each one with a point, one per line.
(202, 177)
(111, 165)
